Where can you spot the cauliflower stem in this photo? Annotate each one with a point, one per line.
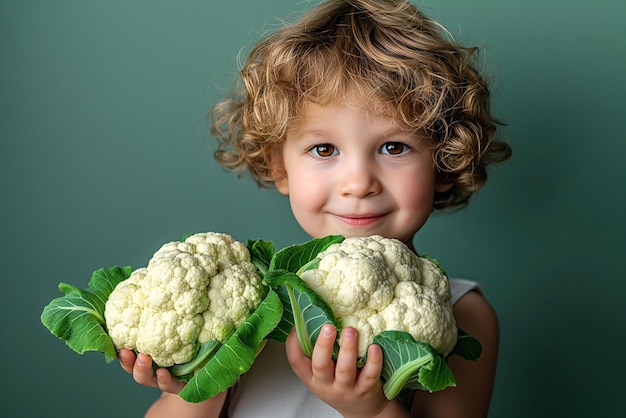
(204, 353)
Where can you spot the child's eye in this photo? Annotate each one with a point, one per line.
(323, 150)
(394, 148)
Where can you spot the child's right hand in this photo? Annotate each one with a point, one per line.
(140, 366)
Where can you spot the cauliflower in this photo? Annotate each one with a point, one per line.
(199, 308)
(376, 284)
(393, 297)
(191, 292)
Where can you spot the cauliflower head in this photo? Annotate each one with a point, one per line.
(190, 292)
(376, 284)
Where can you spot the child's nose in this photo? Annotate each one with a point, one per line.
(359, 180)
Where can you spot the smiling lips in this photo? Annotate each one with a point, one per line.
(359, 220)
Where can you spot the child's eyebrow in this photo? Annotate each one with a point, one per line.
(298, 134)
(393, 132)
(387, 132)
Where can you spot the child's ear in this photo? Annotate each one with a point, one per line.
(279, 175)
(443, 181)
(441, 187)
(282, 184)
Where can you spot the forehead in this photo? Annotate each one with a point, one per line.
(370, 111)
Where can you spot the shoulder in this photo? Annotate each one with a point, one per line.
(474, 311)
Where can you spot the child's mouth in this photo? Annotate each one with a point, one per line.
(359, 220)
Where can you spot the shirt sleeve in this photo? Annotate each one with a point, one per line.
(460, 287)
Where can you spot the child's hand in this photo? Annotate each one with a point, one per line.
(140, 366)
(349, 390)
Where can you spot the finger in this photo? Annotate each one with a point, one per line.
(168, 383)
(322, 363)
(346, 369)
(127, 360)
(370, 373)
(300, 364)
(142, 371)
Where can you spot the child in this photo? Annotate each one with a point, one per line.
(368, 117)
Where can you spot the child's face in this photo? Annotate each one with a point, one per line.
(349, 172)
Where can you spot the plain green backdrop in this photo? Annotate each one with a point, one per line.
(104, 156)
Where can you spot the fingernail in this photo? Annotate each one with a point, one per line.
(349, 332)
(327, 330)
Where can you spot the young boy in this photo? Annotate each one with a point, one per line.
(368, 117)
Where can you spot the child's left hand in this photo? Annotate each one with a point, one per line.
(349, 390)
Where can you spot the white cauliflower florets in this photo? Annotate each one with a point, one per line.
(198, 290)
(375, 284)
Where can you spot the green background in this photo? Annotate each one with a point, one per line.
(104, 156)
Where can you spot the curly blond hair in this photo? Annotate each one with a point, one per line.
(406, 65)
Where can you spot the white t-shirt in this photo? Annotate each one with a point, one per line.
(270, 389)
